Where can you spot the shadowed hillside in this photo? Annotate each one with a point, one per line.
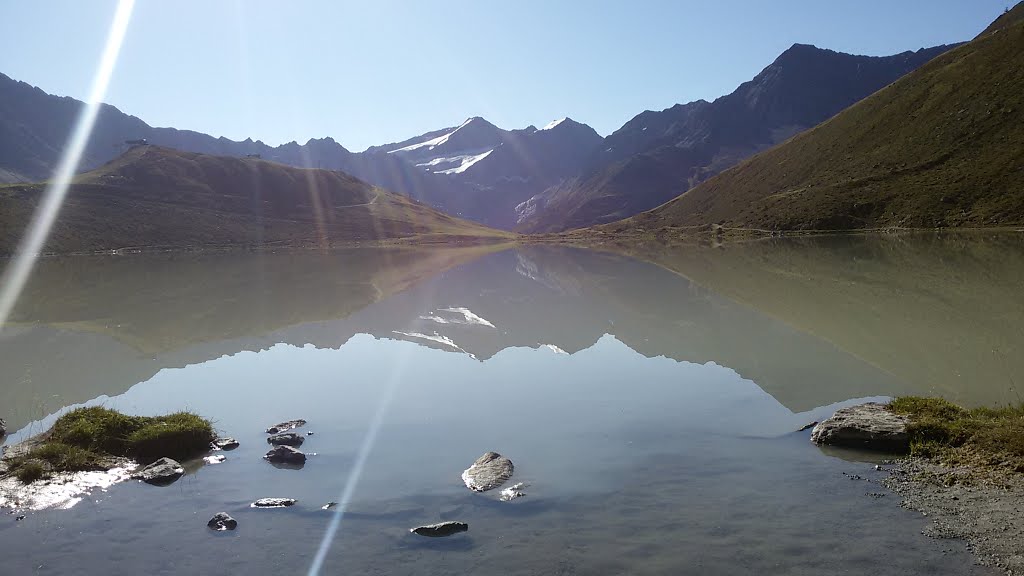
(657, 156)
(153, 197)
(943, 146)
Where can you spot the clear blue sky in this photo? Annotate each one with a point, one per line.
(378, 71)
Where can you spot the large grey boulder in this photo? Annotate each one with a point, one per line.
(285, 455)
(488, 472)
(163, 471)
(441, 529)
(870, 426)
(286, 439)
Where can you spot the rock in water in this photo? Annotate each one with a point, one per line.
(163, 471)
(442, 529)
(285, 426)
(273, 502)
(225, 443)
(488, 472)
(3, 427)
(286, 439)
(221, 521)
(285, 455)
(512, 492)
(870, 426)
(215, 459)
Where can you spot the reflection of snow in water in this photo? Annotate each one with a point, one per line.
(467, 317)
(443, 340)
(62, 491)
(554, 349)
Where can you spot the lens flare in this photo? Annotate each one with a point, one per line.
(20, 267)
(357, 469)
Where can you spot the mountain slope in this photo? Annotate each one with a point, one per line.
(158, 197)
(943, 146)
(659, 155)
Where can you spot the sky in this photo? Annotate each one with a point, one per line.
(379, 71)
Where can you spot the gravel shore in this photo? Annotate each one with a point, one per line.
(984, 509)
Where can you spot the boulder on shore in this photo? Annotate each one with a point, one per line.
(488, 472)
(286, 439)
(870, 426)
(221, 521)
(285, 455)
(441, 529)
(163, 471)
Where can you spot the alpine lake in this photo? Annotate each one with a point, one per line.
(650, 402)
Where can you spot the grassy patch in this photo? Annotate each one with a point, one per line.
(87, 438)
(957, 436)
(31, 471)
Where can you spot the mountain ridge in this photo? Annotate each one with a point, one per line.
(659, 155)
(941, 147)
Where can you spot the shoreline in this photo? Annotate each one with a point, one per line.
(988, 515)
(962, 468)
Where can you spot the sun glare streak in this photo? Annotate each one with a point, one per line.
(314, 200)
(357, 469)
(20, 267)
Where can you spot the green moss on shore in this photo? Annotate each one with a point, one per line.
(90, 438)
(979, 437)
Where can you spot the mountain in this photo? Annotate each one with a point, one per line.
(943, 146)
(490, 170)
(155, 197)
(475, 170)
(659, 155)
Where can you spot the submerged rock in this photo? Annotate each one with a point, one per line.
(273, 502)
(807, 426)
(441, 529)
(512, 492)
(221, 521)
(870, 426)
(329, 505)
(488, 472)
(225, 443)
(285, 455)
(163, 471)
(285, 426)
(286, 439)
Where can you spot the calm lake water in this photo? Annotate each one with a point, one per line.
(650, 405)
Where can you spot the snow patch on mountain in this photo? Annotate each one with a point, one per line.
(554, 123)
(432, 143)
(467, 161)
(452, 164)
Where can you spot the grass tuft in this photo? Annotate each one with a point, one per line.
(87, 438)
(30, 472)
(944, 431)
